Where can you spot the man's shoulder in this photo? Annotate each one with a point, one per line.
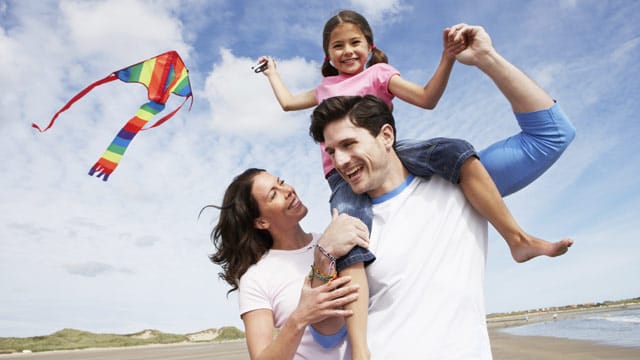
(436, 186)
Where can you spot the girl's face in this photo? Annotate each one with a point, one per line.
(278, 202)
(348, 49)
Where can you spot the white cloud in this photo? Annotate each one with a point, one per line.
(243, 104)
(378, 11)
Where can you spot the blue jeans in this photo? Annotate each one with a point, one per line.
(424, 158)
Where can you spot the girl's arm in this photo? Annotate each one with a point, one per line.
(315, 305)
(427, 97)
(287, 101)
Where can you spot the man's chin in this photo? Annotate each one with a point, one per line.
(358, 189)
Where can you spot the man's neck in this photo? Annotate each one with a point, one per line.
(396, 174)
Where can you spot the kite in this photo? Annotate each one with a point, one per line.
(162, 75)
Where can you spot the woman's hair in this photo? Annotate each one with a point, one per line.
(352, 17)
(239, 244)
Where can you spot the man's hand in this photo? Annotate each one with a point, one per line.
(470, 44)
(343, 233)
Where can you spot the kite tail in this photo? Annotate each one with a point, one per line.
(111, 157)
(109, 78)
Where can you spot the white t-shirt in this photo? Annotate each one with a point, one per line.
(274, 283)
(427, 283)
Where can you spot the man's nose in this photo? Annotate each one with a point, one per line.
(340, 158)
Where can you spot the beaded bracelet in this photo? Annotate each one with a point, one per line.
(324, 277)
(324, 252)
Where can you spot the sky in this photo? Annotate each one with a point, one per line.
(131, 253)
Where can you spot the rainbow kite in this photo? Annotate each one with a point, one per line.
(162, 75)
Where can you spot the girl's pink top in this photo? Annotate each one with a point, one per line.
(373, 80)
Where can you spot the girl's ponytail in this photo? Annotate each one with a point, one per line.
(377, 56)
(328, 69)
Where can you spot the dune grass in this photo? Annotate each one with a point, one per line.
(71, 339)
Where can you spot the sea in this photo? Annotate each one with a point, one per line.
(620, 327)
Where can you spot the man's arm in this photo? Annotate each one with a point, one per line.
(523, 94)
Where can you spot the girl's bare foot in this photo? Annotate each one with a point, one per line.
(529, 247)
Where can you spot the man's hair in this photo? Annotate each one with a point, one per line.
(368, 112)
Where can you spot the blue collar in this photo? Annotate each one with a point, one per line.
(394, 192)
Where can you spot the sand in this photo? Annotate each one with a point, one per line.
(505, 346)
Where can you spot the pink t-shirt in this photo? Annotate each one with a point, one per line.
(373, 80)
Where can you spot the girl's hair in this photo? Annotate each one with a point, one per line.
(239, 244)
(352, 17)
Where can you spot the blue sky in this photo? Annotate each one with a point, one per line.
(130, 254)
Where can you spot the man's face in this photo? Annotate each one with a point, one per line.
(359, 157)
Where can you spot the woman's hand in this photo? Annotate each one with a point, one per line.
(325, 301)
(343, 233)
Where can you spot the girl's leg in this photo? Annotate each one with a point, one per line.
(455, 160)
(515, 162)
(357, 323)
(353, 264)
(480, 190)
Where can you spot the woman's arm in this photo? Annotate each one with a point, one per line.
(259, 329)
(315, 305)
(287, 101)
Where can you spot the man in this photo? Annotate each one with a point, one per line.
(427, 284)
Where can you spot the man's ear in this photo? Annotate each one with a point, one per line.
(387, 134)
(261, 223)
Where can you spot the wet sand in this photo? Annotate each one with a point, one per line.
(506, 346)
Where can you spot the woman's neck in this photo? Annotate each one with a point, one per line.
(290, 239)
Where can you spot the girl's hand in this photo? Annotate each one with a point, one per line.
(470, 43)
(325, 301)
(452, 45)
(269, 67)
(343, 233)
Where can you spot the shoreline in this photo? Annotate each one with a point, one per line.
(504, 321)
(505, 346)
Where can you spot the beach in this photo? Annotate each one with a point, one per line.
(507, 346)
(504, 347)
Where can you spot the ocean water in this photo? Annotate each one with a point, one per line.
(612, 327)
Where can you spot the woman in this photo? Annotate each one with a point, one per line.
(265, 254)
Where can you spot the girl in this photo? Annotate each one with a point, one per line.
(348, 44)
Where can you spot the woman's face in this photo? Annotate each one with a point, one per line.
(278, 202)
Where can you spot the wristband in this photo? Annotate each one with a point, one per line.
(324, 252)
